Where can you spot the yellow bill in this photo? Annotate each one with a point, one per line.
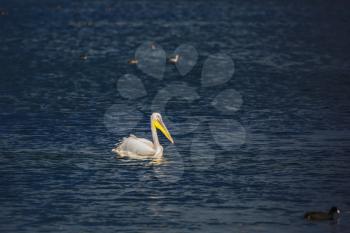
(160, 125)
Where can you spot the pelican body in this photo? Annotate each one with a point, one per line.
(141, 148)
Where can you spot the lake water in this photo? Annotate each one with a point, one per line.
(253, 151)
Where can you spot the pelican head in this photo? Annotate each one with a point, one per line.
(157, 123)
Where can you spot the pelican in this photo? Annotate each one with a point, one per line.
(141, 148)
(175, 59)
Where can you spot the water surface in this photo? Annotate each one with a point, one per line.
(291, 69)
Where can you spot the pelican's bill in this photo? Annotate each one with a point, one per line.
(158, 123)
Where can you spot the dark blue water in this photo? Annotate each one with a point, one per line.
(60, 62)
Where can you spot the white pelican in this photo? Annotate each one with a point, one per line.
(140, 148)
(175, 59)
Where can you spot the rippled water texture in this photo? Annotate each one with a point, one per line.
(260, 115)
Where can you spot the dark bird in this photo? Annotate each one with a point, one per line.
(3, 12)
(83, 56)
(332, 214)
(174, 60)
(133, 61)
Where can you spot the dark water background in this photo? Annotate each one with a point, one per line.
(57, 173)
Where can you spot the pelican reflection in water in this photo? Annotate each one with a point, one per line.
(141, 148)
